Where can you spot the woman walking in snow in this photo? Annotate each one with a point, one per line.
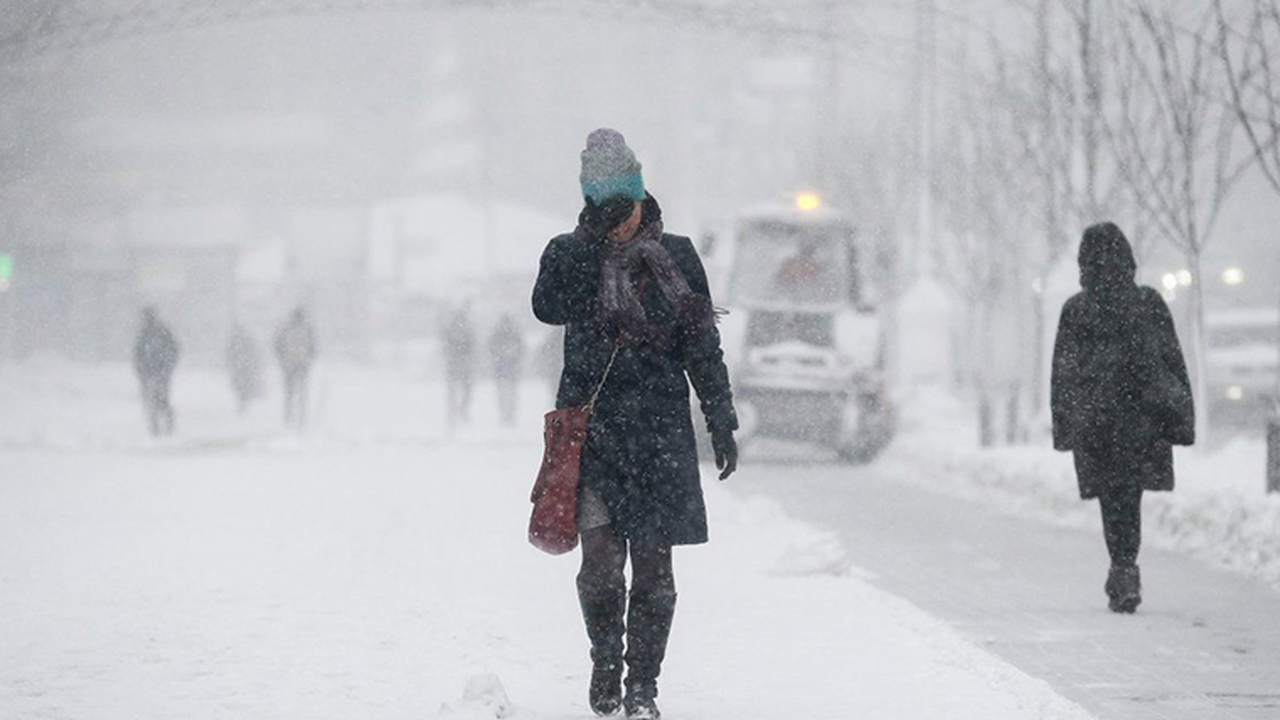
(1120, 398)
(630, 294)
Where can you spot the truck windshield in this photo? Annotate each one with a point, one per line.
(782, 264)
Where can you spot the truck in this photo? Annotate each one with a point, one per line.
(1242, 364)
(804, 338)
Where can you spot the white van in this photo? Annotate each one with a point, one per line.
(1242, 359)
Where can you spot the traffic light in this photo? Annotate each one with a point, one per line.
(6, 271)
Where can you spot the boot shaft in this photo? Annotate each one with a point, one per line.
(603, 614)
(649, 617)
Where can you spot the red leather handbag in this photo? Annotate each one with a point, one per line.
(553, 527)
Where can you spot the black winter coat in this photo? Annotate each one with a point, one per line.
(155, 353)
(1120, 393)
(640, 454)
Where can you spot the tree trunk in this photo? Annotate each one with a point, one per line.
(1038, 385)
(986, 421)
(1200, 379)
(1092, 111)
(983, 373)
(1013, 416)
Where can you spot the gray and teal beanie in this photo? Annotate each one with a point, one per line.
(610, 168)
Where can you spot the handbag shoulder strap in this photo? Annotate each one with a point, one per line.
(591, 404)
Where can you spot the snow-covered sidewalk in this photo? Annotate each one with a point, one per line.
(1219, 511)
(372, 568)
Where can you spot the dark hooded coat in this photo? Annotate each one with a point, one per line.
(1120, 393)
(155, 353)
(640, 454)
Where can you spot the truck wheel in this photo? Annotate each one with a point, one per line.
(872, 433)
(860, 453)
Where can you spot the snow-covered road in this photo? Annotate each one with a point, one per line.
(365, 571)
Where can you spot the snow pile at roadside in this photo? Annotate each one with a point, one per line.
(1218, 512)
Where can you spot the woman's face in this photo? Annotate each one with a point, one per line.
(627, 228)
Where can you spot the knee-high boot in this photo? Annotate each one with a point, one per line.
(603, 611)
(648, 627)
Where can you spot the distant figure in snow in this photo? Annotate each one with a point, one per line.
(506, 353)
(244, 364)
(459, 365)
(1120, 397)
(155, 355)
(296, 350)
(549, 359)
(639, 328)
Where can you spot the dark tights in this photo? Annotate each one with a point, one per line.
(1122, 524)
(604, 556)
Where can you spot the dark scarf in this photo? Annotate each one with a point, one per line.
(622, 270)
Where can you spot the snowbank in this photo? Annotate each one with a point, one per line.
(1219, 512)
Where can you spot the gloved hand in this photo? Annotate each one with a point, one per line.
(726, 449)
(600, 219)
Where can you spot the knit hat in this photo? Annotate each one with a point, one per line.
(610, 168)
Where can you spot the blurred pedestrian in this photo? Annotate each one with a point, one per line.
(459, 365)
(1120, 397)
(506, 353)
(549, 360)
(638, 318)
(296, 350)
(155, 355)
(244, 364)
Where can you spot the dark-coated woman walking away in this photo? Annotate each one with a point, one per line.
(1121, 398)
(634, 299)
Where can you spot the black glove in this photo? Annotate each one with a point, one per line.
(726, 449)
(600, 219)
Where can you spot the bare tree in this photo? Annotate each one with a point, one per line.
(1084, 19)
(1042, 93)
(872, 182)
(1251, 59)
(1058, 86)
(983, 199)
(1172, 139)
